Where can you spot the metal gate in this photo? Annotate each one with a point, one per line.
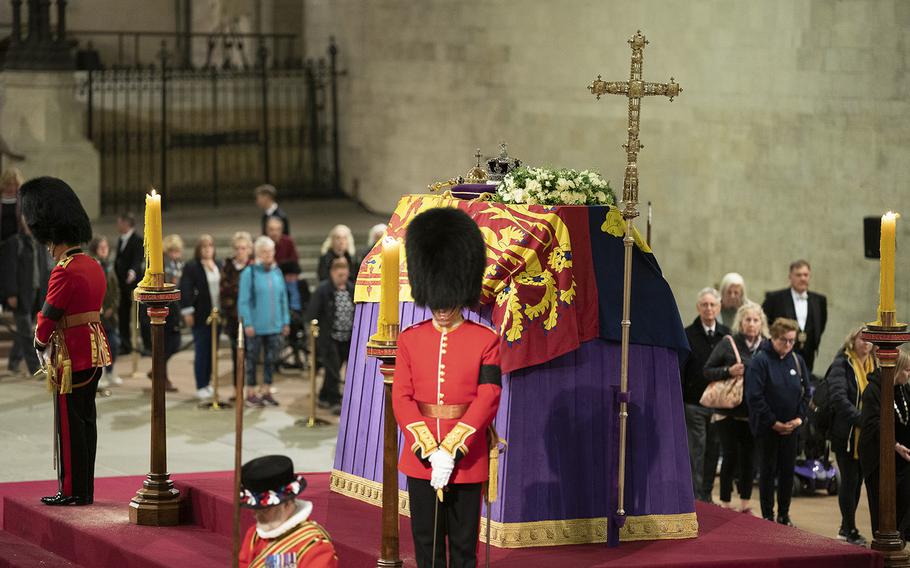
(210, 136)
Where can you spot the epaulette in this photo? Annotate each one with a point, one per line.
(64, 262)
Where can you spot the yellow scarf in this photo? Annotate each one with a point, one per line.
(860, 370)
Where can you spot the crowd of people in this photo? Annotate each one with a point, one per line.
(753, 403)
(261, 285)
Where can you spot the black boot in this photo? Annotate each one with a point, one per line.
(61, 500)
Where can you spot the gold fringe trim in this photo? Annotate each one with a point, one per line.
(539, 533)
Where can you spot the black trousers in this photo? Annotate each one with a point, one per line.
(902, 479)
(457, 522)
(124, 311)
(738, 446)
(712, 455)
(778, 458)
(77, 436)
(851, 484)
(332, 354)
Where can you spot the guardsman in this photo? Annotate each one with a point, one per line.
(69, 337)
(446, 388)
(284, 536)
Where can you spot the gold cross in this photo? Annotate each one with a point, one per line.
(634, 89)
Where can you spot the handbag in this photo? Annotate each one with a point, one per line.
(727, 393)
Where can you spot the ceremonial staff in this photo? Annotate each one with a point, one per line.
(634, 89)
(238, 440)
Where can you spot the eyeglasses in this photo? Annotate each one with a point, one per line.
(786, 341)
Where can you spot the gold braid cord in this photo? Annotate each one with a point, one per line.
(60, 368)
(423, 439)
(456, 439)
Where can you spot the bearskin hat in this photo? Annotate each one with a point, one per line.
(53, 212)
(446, 259)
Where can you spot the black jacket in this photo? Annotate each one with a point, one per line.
(718, 368)
(279, 212)
(322, 308)
(775, 389)
(779, 304)
(701, 346)
(17, 270)
(870, 422)
(132, 257)
(194, 291)
(844, 397)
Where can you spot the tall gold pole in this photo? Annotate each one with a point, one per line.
(634, 89)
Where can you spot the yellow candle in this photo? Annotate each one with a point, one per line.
(153, 242)
(388, 300)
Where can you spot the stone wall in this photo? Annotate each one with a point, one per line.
(42, 119)
(792, 126)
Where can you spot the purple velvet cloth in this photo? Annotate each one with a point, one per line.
(561, 425)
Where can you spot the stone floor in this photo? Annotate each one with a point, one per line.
(198, 439)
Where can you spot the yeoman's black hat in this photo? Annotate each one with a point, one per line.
(269, 481)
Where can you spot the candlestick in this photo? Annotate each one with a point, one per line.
(153, 242)
(887, 246)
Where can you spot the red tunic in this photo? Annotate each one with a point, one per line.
(77, 285)
(458, 367)
(306, 545)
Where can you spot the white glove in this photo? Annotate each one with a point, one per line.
(443, 465)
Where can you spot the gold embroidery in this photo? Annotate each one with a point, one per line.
(457, 439)
(423, 438)
(539, 533)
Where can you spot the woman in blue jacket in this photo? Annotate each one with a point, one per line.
(262, 302)
(776, 391)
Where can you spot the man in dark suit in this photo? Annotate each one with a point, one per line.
(129, 267)
(266, 196)
(704, 334)
(809, 309)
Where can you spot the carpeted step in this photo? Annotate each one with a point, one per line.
(16, 552)
(101, 535)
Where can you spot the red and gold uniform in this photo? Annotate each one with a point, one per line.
(445, 396)
(69, 330)
(307, 545)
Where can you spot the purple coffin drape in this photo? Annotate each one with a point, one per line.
(556, 485)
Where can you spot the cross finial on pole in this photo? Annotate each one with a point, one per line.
(635, 88)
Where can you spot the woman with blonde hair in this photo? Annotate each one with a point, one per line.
(847, 378)
(339, 243)
(729, 360)
(870, 423)
(732, 296)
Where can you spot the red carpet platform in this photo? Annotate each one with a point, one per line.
(101, 536)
